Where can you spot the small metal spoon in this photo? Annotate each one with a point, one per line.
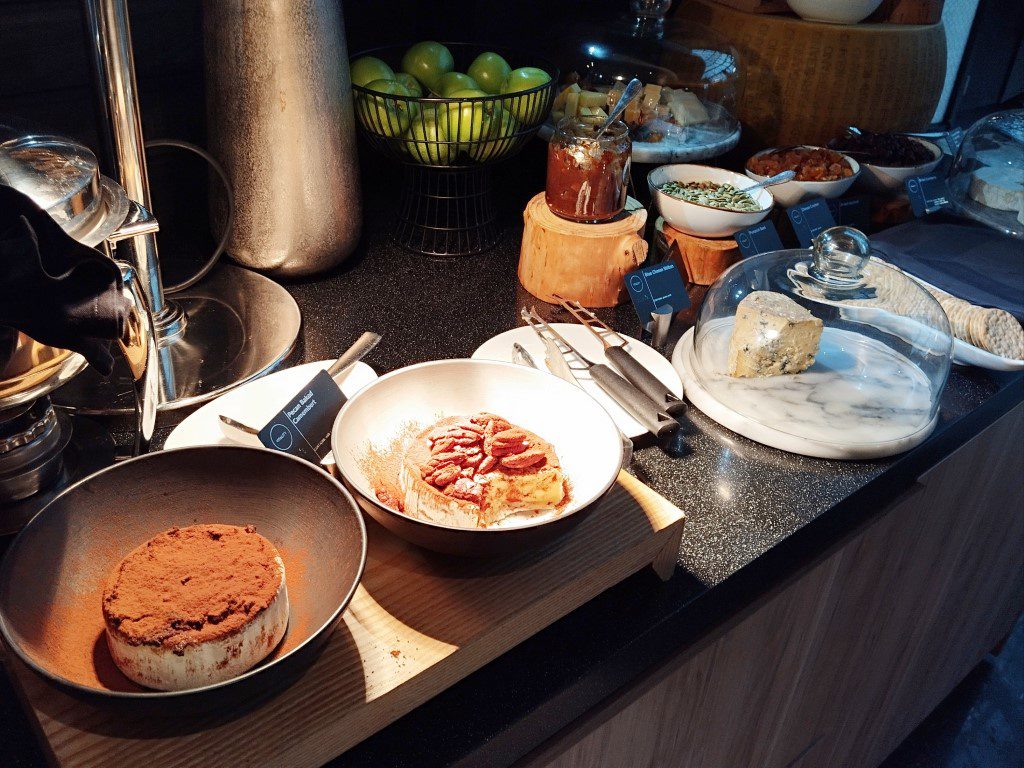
(632, 90)
(778, 178)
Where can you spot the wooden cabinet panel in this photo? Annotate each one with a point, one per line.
(842, 662)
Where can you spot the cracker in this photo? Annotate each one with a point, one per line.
(998, 331)
(994, 330)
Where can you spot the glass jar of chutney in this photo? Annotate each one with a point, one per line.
(588, 175)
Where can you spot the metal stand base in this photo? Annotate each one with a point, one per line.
(447, 212)
(237, 326)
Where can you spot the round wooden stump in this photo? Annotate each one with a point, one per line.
(700, 260)
(580, 262)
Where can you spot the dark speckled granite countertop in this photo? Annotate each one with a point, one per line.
(755, 514)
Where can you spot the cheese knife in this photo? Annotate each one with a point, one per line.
(617, 354)
(638, 405)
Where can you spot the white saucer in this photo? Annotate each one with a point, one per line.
(500, 348)
(256, 402)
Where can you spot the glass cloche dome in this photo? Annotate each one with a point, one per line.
(691, 77)
(986, 180)
(826, 352)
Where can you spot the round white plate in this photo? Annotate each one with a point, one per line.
(818, 444)
(500, 348)
(256, 402)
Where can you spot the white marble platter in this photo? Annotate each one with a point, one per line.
(695, 142)
(860, 399)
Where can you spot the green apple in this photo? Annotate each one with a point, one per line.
(465, 119)
(410, 82)
(526, 109)
(427, 61)
(455, 81)
(490, 71)
(499, 128)
(425, 142)
(389, 117)
(366, 69)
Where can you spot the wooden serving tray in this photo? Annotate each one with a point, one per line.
(418, 623)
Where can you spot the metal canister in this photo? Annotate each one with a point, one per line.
(280, 120)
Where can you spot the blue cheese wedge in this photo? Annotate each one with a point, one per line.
(773, 336)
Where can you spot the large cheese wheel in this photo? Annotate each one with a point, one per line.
(805, 81)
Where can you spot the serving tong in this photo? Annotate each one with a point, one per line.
(615, 351)
(648, 412)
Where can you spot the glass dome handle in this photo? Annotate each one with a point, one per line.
(649, 17)
(840, 256)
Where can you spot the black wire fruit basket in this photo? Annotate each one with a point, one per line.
(448, 148)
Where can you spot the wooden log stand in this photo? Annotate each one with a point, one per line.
(700, 261)
(580, 262)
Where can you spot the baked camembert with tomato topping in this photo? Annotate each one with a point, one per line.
(473, 472)
(195, 606)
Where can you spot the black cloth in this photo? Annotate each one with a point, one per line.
(53, 288)
(970, 261)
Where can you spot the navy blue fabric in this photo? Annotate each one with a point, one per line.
(970, 261)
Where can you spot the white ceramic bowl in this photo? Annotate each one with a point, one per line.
(792, 192)
(703, 220)
(402, 402)
(834, 11)
(888, 180)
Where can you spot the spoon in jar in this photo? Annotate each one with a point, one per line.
(778, 178)
(632, 91)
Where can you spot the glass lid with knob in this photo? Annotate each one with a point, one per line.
(63, 178)
(986, 179)
(828, 352)
(691, 77)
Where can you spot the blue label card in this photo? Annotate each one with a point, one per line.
(927, 194)
(760, 238)
(303, 427)
(654, 287)
(853, 211)
(809, 218)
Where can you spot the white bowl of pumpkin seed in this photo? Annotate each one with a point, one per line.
(707, 202)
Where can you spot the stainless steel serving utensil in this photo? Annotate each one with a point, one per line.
(556, 364)
(522, 357)
(615, 350)
(632, 91)
(778, 178)
(654, 418)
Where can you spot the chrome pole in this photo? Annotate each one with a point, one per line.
(115, 67)
(233, 325)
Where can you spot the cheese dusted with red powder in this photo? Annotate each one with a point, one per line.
(192, 585)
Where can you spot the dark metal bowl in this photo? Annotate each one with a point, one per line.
(52, 576)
